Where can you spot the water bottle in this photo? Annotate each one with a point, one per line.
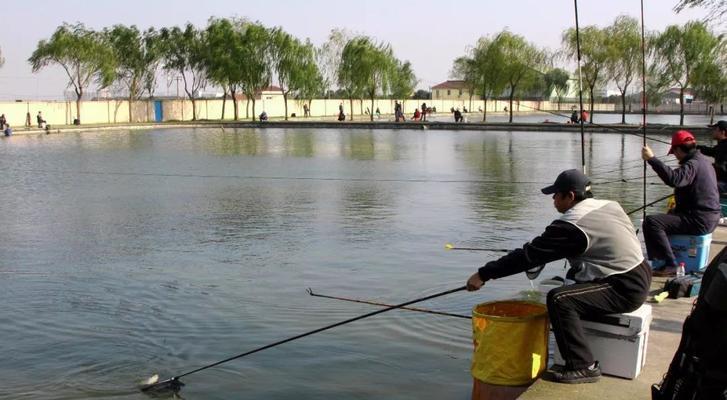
(680, 270)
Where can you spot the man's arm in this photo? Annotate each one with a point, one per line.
(560, 240)
(678, 177)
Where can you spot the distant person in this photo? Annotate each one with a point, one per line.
(417, 115)
(306, 110)
(584, 116)
(378, 113)
(40, 120)
(341, 115)
(27, 119)
(464, 110)
(719, 153)
(7, 131)
(458, 115)
(263, 116)
(3, 121)
(398, 114)
(505, 108)
(574, 116)
(697, 210)
(424, 112)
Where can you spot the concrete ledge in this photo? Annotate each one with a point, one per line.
(664, 336)
(322, 124)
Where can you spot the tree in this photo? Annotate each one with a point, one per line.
(489, 63)
(328, 57)
(184, 52)
(623, 61)
(224, 63)
(403, 82)
(710, 84)
(556, 80)
(83, 55)
(594, 55)
(292, 62)
(678, 51)
(422, 94)
(717, 8)
(521, 63)
(137, 59)
(256, 74)
(312, 81)
(367, 67)
(465, 69)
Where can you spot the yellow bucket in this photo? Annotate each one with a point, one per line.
(511, 342)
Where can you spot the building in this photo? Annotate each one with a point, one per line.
(451, 90)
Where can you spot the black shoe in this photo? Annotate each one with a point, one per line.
(583, 375)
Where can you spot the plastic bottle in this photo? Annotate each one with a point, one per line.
(681, 270)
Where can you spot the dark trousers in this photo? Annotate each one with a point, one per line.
(657, 227)
(616, 294)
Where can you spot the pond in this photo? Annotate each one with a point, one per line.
(126, 253)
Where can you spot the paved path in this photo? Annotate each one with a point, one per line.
(666, 330)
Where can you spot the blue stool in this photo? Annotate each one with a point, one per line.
(692, 250)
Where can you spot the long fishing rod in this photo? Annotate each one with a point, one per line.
(643, 94)
(450, 246)
(580, 92)
(174, 384)
(373, 303)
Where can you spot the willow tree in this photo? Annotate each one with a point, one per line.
(710, 84)
(368, 67)
(556, 79)
(465, 69)
(312, 82)
(594, 55)
(137, 57)
(184, 52)
(224, 64)
(292, 62)
(521, 62)
(82, 54)
(256, 72)
(624, 56)
(403, 82)
(489, 69)
(679, 50)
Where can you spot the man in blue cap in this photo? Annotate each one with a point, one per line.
(611, 274)
(719, 153)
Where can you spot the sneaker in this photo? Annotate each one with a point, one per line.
(584, 375)
(666, 272)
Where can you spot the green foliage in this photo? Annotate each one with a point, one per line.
(184, 52)
(679, 51)
(82, 53)
(422, 94)
(521, 62)
(137, 58)
(594, 56)
(257, 72)
(294, 63)
(624, 56)
(556, 80)
(403, 80)
(717, 8)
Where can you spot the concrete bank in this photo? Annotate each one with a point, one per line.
(666, 330)
(324, 124)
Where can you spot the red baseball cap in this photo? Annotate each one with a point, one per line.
(680, 138)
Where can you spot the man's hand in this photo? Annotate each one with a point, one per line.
(474, 282)
(646, 153)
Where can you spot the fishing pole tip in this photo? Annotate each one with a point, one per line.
(154, 386)
(448, 246)
(310, 291)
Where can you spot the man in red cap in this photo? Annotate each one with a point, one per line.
(697, 209)
(719, 153)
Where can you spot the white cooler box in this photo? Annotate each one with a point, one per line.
(618, 342)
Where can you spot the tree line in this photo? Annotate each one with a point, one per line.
(245, 57)
(237, 55)
(688, 56)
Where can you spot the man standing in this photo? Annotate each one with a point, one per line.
(697, 209)
(719, 153)
(424, 111)
(611, 274)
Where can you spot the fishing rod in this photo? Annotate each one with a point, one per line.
(373, 303)
(643, 95)
(580, 93)
(173, 384)
(450, 246)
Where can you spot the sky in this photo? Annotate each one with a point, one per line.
(430, 34)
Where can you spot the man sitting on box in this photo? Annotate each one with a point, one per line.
(719, 153)
(611, 274)
(697, 210)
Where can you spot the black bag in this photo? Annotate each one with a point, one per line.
(699, 367)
